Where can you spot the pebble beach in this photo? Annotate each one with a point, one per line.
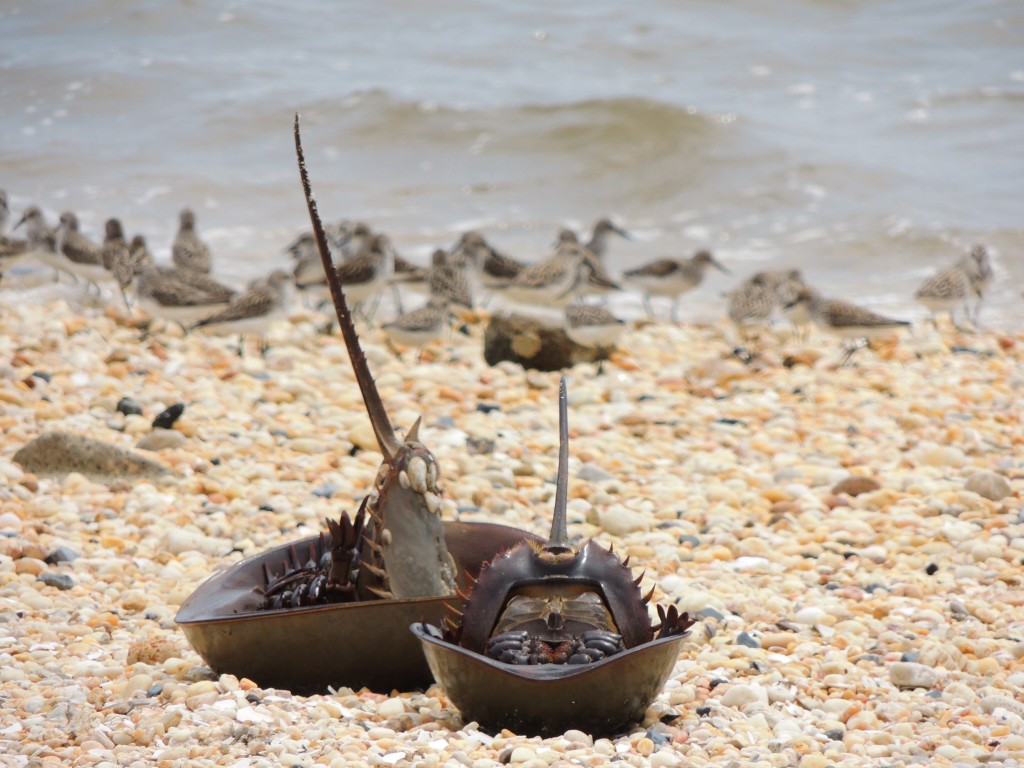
(851, 538)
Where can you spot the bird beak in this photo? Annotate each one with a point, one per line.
(719, 266)
(621, 232)
(20, 221)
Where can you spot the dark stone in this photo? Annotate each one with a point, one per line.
(266, 508)
(59, 580)
(934, 694)
(748, 640)
(717, 681)
(155, 690)
(61, 554)
(170, 415)
(60, 453)
(487, 407)
(710, 613)
(44, 375)
(129, 406)
(533, 344)
(834, 735)
(669, 716)
(325, 491)
(690, 539)
(252, 698)
(910, 656)
(731, 422)
(931, 569)
(445, 422)
(703, 711)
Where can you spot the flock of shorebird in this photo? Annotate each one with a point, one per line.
(462, 276)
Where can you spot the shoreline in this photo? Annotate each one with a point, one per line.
(716, 477)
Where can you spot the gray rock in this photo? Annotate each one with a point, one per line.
(59, 580)
(591, 473)
(60, 453)
(747, 640)
(908, 674)
(162, 440)
(129, 406)
(990, 485)
(61, 554)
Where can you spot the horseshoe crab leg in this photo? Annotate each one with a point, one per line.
(405, 554)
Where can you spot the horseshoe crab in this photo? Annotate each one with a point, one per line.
(553, 636)
(334, 610)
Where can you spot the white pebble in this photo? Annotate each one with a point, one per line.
(618, 520)
(741, 694)
(908, 674)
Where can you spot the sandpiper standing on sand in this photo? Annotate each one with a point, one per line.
(552, 282)
(116, 256)
(671, 277)
(78, 255)
(420, 327)
(847, 321)
(598, 242)
(188, 250)
(593, 327)
(253, 311)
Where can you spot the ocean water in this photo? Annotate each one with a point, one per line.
(867, 143)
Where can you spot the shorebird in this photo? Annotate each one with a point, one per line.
(40, 237)
(178, 295)
(979, 271)
(947, 291)
(591, 326)
(116, 256)
(78, 255)
(552, 282)
(598, 242)
(752, 304)
(363, 275)
(188, 250)
(494, 270)
(253, 311)
(140, 255)
(671, 277)
(419, 327)
(445, 279)
(845, 320)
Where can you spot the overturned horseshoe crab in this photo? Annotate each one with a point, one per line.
(334, 610)
(554, 637)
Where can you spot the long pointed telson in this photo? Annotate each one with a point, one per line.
(558, 542)
(382, 428)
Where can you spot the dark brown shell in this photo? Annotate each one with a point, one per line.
(558, 677)
(305, 650)
(591, 566)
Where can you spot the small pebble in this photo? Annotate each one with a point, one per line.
(59, 580)
(990, 485)
(61, 554)
(908, 674)
(167, 417)
(129, 406)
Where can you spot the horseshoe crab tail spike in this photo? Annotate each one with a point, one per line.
(382, 429)
(559, 539)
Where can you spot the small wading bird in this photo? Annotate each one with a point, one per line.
(847, 321)
(671, 278)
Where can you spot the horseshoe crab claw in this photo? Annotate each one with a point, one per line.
(555, 637)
